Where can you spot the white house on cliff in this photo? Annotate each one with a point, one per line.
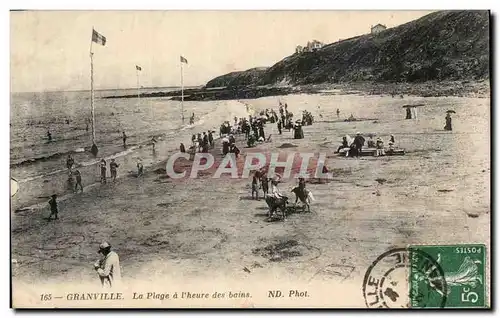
(378, 28)
(310, 47)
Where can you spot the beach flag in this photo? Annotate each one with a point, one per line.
(98, 38)
(138, 68)
(183, 60)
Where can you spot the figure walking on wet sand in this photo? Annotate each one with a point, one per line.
(112, 167)
(153, 142)
(49, 135)
(78, 177)
(53, 207)
(124, 137)
(69, 163)
(338, 113)
(140, 169)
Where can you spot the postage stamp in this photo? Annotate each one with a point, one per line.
(249, 159)
(427, 276)
(463, 266)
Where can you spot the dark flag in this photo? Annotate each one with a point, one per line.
(138, 68)
(183, 60)
(98, 38)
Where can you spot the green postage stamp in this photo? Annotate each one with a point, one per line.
(447, 276)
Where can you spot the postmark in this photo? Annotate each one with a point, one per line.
(386, 282)
(463, 267)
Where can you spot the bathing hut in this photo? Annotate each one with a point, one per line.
(411, 110)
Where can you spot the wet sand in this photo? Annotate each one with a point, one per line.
(198, 230)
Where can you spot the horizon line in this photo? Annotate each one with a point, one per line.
(104, 89)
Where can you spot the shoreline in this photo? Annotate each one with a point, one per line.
(459, 88)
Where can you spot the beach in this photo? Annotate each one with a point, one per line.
(194, 231)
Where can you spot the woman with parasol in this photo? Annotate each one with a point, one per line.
(448, 120)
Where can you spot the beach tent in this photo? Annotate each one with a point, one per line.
(411, 110)
(349, 139)
(14, 187)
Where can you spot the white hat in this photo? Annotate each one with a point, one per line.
(358, 133)
(104, 245)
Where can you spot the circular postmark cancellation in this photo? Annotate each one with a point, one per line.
(405, 278)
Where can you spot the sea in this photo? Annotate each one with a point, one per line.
(39, 165)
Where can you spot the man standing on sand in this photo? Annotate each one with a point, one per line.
(112, 167)
(255, 185)
(210, 139)
(108, 268)
(78, 181)
(69, 163)
(124, 137)
(153, 142)
(103, 171)
(358, 142)
(53, 207)
(264, 181)
(338, 113)
(206, 143)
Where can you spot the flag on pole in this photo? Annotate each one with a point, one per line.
(137, 67)
(98, 38)
(183, 60)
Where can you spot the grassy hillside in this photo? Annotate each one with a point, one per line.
(244, 78)
(445, 45)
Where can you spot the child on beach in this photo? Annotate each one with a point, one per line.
(112, 167)
(78, 180)
(53, 207)
(140, 169)
(124, 137)
(255, 185)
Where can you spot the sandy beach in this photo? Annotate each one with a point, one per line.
(202, 230)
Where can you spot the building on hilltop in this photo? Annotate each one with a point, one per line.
(310, 47)
(314, 45)
(378, 28)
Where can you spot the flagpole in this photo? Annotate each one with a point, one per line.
(92, 112)
(182, 94)
(138, 87)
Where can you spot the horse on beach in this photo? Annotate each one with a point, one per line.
(274, 204)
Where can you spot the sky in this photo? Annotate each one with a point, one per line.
(50, 49)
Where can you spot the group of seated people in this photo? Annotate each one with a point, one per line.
(355, 146)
